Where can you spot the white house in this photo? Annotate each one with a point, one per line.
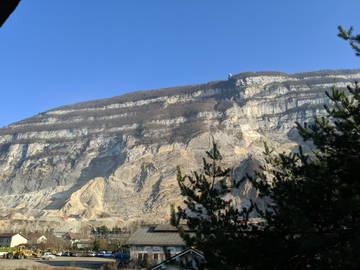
(12, 239)
(36, 238)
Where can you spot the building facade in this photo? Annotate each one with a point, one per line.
(12, 239)
(188, 259)
(73, 237)
(155, 244)
(36, 238)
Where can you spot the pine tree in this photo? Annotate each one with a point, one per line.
(219, 228)
(353, 40)
(313, 199)
(316, 197)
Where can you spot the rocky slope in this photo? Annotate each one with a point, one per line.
(115, 159)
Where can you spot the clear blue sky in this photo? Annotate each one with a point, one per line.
(57, 52)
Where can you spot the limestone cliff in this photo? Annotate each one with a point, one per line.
(116, 158)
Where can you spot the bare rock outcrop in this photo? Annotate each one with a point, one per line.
(115, 159)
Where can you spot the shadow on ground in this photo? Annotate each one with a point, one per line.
(87, 263)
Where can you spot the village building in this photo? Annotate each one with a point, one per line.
(59, 234)
(187, 259)
(85, 244)
(121, 236)
(155, 244)
(36, 238)
(73, 237)
(12, 239)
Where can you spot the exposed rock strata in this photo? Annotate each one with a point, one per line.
(115, 158)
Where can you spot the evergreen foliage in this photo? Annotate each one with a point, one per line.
(312, 218)
(354, 40)
(219, 227)
(102, 230)
(315, 198)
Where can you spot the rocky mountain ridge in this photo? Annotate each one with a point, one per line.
(115, 159)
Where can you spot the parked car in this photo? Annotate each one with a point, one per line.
(60, 253)
(100, 253)
(104, 253)
(92, 254)
(123, 257)
(47, 256)
(66, 253)
(3, 254)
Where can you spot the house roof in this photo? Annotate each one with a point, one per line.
(9, 235)
(150, 236)
(165, 228)
(74, 235)
(179, 255)
(34, 236)
(6, 235)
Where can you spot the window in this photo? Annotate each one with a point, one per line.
(140, 256)
(156, 256)
(162, 257)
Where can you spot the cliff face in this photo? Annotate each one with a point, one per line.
(116, 158)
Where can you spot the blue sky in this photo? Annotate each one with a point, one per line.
(57, 52)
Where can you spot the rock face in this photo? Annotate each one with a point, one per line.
(116, 158)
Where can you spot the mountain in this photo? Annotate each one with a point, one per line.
(114, 160)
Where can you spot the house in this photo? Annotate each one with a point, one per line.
(187, 259)
(121, 236)
(60, 234)
(85, 244)
(36, 238)
(12, 239)
(73, 237)
(155, 244)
